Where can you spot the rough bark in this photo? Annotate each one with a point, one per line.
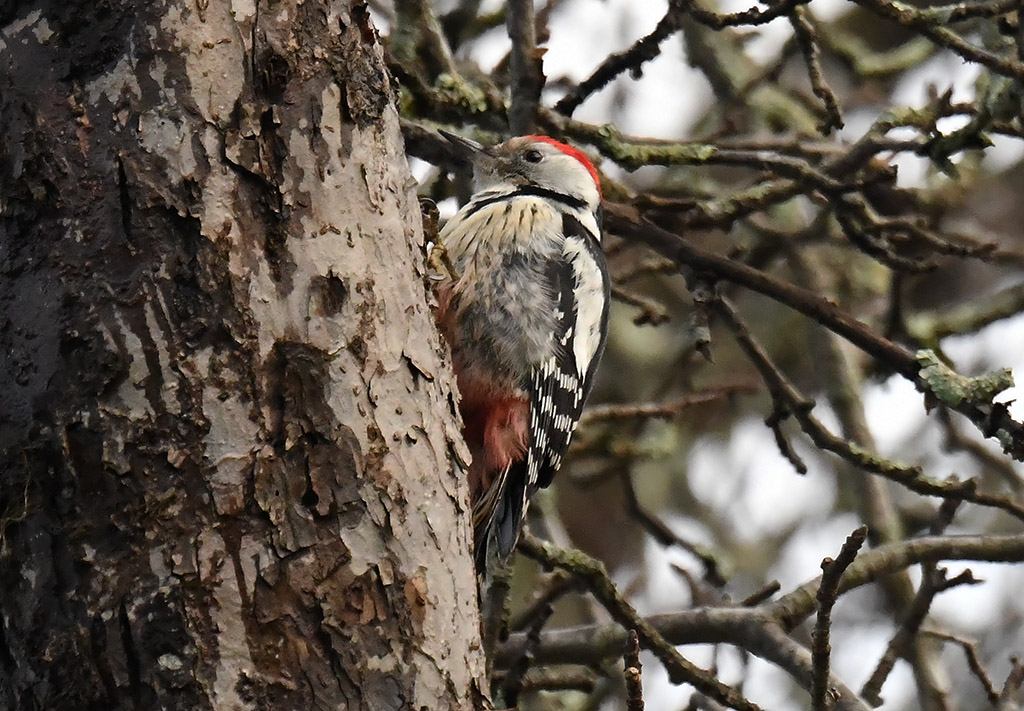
(228, 431)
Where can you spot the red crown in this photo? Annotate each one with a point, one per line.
(575, 153)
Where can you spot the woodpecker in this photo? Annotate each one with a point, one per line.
(524, 310)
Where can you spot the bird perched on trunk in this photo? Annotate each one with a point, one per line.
(525, 313)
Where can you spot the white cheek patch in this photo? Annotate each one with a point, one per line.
(566, 174)
(589, 221)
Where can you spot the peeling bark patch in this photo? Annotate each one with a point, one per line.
(278, 258)
(334, 472)
(234, 660)
(98, 647)
(364, 602)
(254, 147)
(279, 493)
(294, 374)
(274, 74)
(93, 35)
(200, 299)
(304, 437)
(366, 83)
(367, 310)
(360, 12)
(272, 153)
(151, 627)
(330, 294)
(228, 447)
(416, 597)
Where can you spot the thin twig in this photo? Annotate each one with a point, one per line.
(969, 316)
(643, 50)
(753, 16)
(559, 678)
(527, 78)
(513, 681)
(666, 536)
(788, 398)
(1008, 697)
(901, 643)
(664, 410)
(632, 673)
(652, 312)
(779, 414)
(969, 397)
(806, 39)
(555, 587)
(793, 607)
(821, 651)
(977, 668)
(494, 609)
(600, 585)
(957, 440)
(758, 596)
(906, 16)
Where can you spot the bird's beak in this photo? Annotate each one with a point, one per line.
(465, 149)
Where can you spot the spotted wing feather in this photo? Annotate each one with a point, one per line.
(559, 386)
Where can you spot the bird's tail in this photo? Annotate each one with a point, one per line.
(498, 515)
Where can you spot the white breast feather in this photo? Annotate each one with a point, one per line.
(533, 221)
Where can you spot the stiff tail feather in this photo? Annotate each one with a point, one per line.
(498, 515)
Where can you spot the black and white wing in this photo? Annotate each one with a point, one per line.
(559, 386)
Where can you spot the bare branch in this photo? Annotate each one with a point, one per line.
(969, 397)
(971, 652)
(1009, 697)
(788, 399)
(596, 577)
(806, 39)
(900, 645)
(930, 25)
(831, 573)
(738, 625)
(664, 410)
(666, 537)
(643, 50)
(527, 74)
(631, 673)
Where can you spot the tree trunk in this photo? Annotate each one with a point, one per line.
(228, 431)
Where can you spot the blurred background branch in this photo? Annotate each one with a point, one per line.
(813, 222)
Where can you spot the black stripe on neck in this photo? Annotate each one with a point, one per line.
(538, 191)
(533, 191)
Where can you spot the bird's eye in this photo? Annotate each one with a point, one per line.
(533, 156)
